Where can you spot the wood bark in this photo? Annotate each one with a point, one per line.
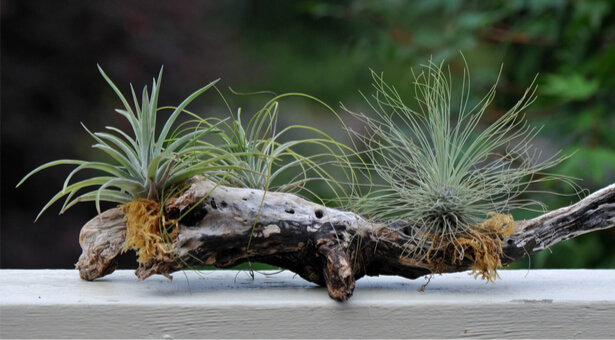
(224, 226)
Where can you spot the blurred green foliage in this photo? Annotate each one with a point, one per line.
(325, 48)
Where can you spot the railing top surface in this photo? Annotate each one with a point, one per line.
(230, 287)
(230, 304)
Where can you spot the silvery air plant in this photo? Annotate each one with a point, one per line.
(450, 183)
(141, 169)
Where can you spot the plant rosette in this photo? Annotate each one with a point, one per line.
(434, 171)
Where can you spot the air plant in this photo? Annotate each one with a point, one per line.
(144, 167)
(453, 184)
(265, 158)
(270, 161)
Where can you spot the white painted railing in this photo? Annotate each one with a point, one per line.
(230, 304)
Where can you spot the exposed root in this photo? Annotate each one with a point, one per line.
(422, 288)
(488, 248)
(481, 244)
(147, 230)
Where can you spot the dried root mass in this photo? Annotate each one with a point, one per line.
(481, 244)
(147, 230)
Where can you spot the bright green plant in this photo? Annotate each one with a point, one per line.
(440, 174)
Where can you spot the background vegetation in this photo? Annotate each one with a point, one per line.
(323, 48)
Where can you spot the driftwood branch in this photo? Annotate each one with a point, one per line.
(330, 247)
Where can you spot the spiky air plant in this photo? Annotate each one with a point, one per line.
(144, 170)
(451, 182)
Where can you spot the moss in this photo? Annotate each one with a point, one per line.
(147, 230)
(482, 244)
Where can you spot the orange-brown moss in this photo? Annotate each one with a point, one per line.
(488, 250)
(147, 230)
(482, 244)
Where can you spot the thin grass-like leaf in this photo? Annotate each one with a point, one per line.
(112, 196)
(171, 120)
(96, 181)
(131, 117)
(104, 167)
(49, 165)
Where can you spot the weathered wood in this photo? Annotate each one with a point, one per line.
(101, 239)
(594, 212)
(225, 226)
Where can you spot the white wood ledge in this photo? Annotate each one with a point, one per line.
(230, 304)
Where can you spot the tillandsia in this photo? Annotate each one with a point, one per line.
(271, 160)
(150, 168)
(144, 169)
(451, 183)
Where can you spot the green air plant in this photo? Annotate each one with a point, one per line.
(451, 183)
(144, 168)
(271, 162)
(269, 159)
